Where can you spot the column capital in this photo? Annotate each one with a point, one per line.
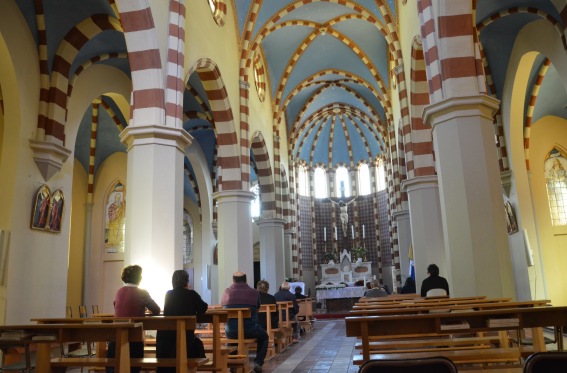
(157, 135)
(233, 196)
(400, 215)
(271, 222)
(420, 182)
(289, 232)
(458, 107)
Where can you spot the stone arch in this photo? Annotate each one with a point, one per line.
(228, 158)
(265, 175)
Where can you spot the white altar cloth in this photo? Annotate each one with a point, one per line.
(348, 292)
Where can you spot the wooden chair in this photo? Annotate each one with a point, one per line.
(548, 362)
(427, 365)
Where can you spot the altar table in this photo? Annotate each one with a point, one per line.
(341, 298)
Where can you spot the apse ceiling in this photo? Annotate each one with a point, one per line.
(328, 70)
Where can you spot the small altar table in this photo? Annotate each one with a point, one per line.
(340, 298)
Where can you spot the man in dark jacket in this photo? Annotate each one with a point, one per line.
(284, 295)
(265, 298)
(240, 295)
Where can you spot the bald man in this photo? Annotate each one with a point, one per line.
(284, 295)
(240, 295)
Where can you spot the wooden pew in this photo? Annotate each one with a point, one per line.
(273, 342)
(535, 318)
(178, 323)
(445, 307)
(47, 334)
(286, 325)
(304, 317)
(215, 319)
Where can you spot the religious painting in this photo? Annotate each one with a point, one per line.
(187, 238)
(41, 208)
(115, 217)
(556, 184)
(511, 222)
(55, 211)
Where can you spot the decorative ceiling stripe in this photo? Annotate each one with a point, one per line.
(530, 109)
(524, 9)
(316, 124)
(175, 65)
(114, 7)
(113, 116)
(367, 119)
(206, 112)
(361, 134)
(92, 150)
(498, 124)
(561, 7)
(195, 187)
(66, 53)
(348, 140)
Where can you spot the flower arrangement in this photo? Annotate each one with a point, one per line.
(329, 255)
(359, 252)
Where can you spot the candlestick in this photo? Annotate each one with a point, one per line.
(363, 235)
(352, 230)
(325, 233)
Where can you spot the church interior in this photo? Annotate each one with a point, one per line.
(323, 142)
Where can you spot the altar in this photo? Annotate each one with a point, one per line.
(346, 271)
(337, 291)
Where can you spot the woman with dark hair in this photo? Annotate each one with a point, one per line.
(409, 286)
(131, 301)
(434, 281)
(180, 301)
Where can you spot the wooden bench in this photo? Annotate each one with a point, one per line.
(45, 335)
(305, 315)
(286, 325)
(370, 328)
(180, 324)
(274, 344)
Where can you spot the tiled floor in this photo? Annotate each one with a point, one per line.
(325, 349)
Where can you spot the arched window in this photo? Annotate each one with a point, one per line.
(320, 181)
(556, 184)
(187, 238)
(115, 219)
(302, 183)
(342, 182)
(256, 202)
(363, 179)
(380, 176)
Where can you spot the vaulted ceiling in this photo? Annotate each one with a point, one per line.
(328, 69)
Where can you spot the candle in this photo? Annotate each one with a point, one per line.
(325, 233)
(336, 237)
(363, 235)
(352, 230)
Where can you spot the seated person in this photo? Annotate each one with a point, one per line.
(180, 301)
(434, 281)
(285, 295)
(409, 286)
(376, 291)
(298, 294)
(240, 295)
(265, 298)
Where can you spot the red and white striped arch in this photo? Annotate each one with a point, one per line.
(420, 147)
(265, 176)
(228, 162)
